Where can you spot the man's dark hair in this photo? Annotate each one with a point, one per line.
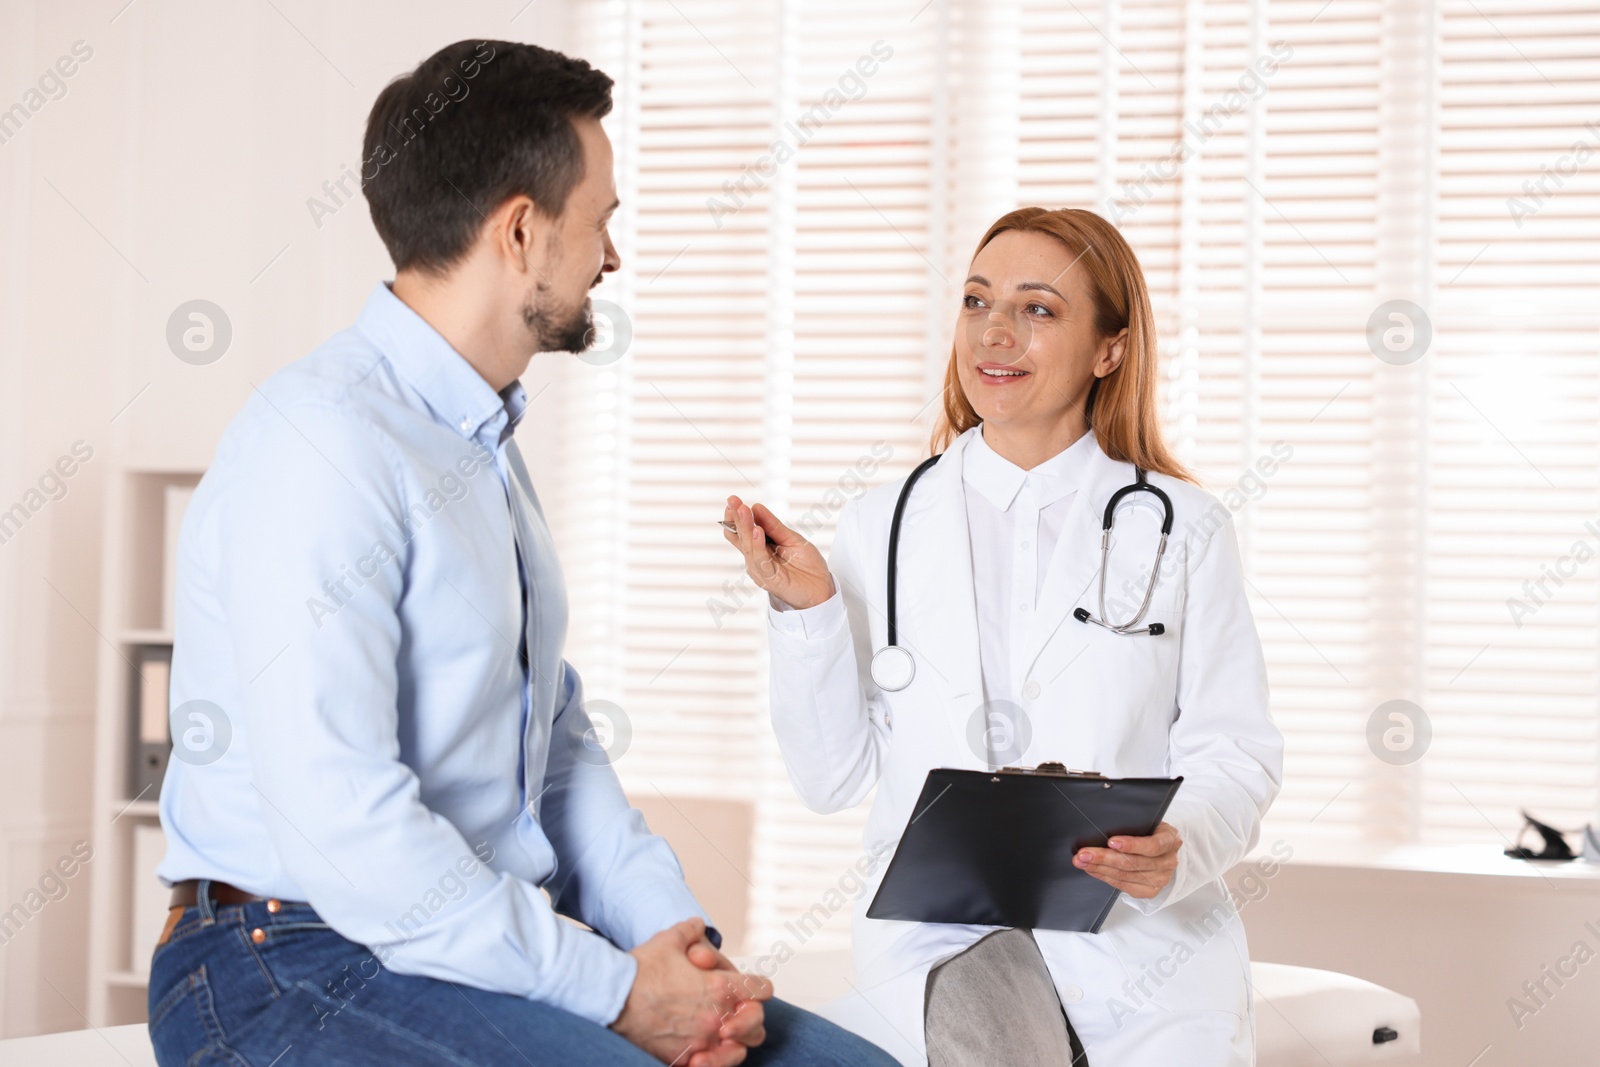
(476, 123)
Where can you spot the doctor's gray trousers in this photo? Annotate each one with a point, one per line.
(995, 1005)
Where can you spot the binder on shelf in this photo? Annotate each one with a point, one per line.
(152, 738)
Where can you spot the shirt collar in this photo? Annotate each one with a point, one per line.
(999, 480)
(455, 392)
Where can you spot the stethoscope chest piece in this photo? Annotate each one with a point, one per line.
(892, 668)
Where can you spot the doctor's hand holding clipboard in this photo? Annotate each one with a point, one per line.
(1050, 585)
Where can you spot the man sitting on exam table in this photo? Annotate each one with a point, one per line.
(389, 756)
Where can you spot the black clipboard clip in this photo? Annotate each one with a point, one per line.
(1051, 769)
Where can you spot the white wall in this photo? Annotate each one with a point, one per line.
(176, 166)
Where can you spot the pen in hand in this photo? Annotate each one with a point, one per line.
(731, 528)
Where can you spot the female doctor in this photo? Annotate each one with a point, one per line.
(1019, 654)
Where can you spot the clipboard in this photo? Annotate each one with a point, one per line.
(995, 848)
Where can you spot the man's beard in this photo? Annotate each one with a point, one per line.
(553, 330)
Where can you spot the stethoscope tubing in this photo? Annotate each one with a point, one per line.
(1131, 627)
(894, 543)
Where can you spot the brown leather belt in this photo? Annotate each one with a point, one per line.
(185, 893)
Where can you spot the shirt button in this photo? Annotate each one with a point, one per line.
(1072, 994)
(1025, 544)
(466, 424)
(258, 935)
(1031, 690)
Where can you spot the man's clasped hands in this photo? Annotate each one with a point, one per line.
(689, 1005)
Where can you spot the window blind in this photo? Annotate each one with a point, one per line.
(775, 279)
(1282, 168)
(1512, 488)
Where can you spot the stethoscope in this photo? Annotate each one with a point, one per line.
(893, 667)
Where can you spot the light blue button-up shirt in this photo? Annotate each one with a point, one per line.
(371, 708)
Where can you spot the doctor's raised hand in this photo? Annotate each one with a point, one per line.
(777, 558)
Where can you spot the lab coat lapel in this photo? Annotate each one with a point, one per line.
(1073, 573)
(938, 612)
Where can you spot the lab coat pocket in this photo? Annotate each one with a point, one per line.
(1185, 958)
(1116, 692)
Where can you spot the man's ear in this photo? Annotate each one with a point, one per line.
(520, 230)
(1111, 354)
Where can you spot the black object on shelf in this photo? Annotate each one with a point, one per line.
(150, 736)
(1555, 845)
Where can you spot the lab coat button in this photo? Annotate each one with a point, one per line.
(1072, 994)
(1031, 690)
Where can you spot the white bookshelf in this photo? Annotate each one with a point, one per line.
(131, 618)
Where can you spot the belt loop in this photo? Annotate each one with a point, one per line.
(202, 897)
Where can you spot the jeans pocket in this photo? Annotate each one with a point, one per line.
(184, 1031)
(295, 952)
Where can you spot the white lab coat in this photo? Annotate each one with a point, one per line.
(1165, 980)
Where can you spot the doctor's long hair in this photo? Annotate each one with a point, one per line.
(1122, 405)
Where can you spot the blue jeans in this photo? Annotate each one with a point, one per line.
(303, 995)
